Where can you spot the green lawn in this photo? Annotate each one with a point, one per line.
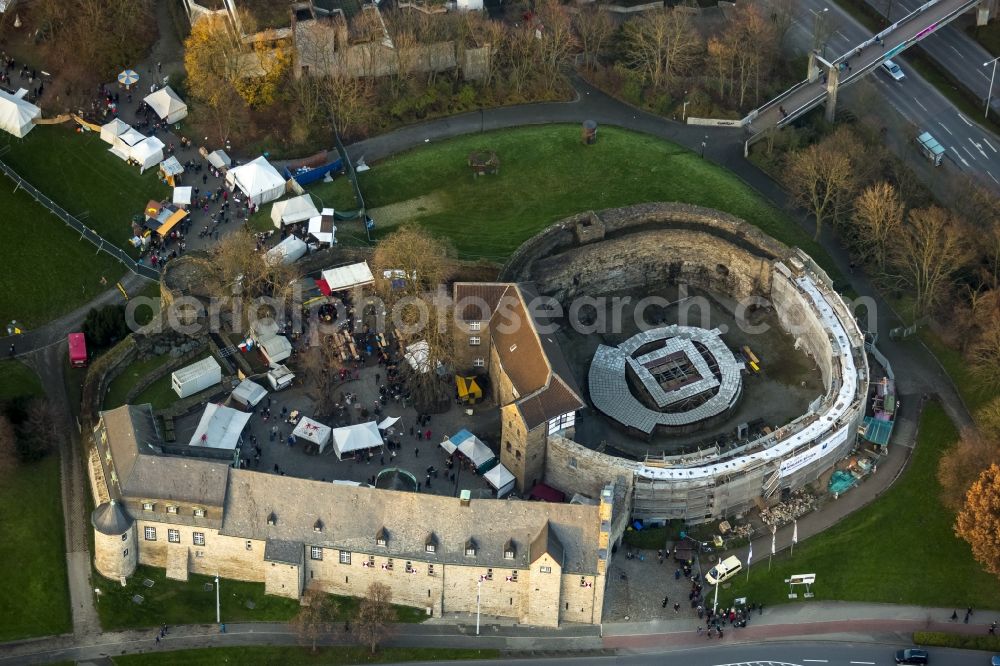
(175, 602)
(47, 270)
(958, 369)
(160, 394)
(35, 602)
(900, 549)
(291, 656)
(123, 383)
(76, 171)
(547, 174)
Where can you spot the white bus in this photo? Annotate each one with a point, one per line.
(724, 570)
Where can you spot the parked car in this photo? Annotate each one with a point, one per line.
(911, 656)
(995, 661)
(894, 70)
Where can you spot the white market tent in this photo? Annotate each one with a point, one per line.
(171, 167)
(347, 277)
(323, 227)
(220, 427)
(313, 431)
(122, 147)
(260, 181)
(17, 116)
(182, 195)
(472, 448)
(356, 437)
(167, 105)
(276, 349)
(288, 251)
(147, 153)
(249, 393)
(290, 211)
(501, 479)
(219, 159)
(388, 422)
(112, 130)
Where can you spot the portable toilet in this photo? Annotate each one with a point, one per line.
(77, 350)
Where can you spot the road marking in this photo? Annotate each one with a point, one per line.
(979, 147)
(957, 51)
(983, 75)
(817, 661)
(946, 128)
(965, 120)
(970, 153)
(862, 662)
(959, 156)
(919, 104)
(993, 177)
(989, 144)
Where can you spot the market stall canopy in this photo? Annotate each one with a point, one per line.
(348, 277)
(288, 251)
(111, 131)
(219, 159)
(162, 217)
(17, 116)
(290, 211)
(167, 104)
(182, 195)
(122, 147)
(128, 78)
(171, 167)
(260, 181)
(388, 422)
(313, 431)
(220, 427)
(501, 479)
(323, 227)
(356, 437)
(276, 349)
(474, 449)
(147, 153)
(249, 393)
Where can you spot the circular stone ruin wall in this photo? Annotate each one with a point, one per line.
(631, 248)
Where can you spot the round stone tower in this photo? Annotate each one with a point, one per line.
(115, 548)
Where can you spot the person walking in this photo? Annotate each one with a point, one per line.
(666, 600)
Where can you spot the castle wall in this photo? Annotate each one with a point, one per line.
(114, 557)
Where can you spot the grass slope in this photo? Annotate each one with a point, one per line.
(900, 549)
(47, 270)
(547, 174)
(35, 601)
(123, 383)
(292, 656)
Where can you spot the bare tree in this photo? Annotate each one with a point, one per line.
(661, 44)
(315, 617)
(245, 276)
(557, 42)
(985, 352)
(751, 48)
(594, 28)
(929, 250)
(962, 464)
(821, 180)
(36, 436)
(878, 217)
(375, 614)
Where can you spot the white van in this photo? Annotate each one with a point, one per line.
(724, 570)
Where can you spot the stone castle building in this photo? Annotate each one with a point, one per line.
(535, 562)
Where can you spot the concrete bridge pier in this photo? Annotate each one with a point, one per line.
(832, 86)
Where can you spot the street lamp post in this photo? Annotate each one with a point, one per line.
(218, 615)
(715, 602)
(703, 144)
(989, 95)
(684, 111)
(479, 592)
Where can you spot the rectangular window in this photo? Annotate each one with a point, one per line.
(388, 564)
(474, 341)
(171, 508)
(199, 538)
(430, 569)
(430, 548)
(545, 569)
(560, 423)
(409, 567)
(380, 543)
(371, 562)
(513, 576)
(479, 363)
(475, 325)
(199, 513)
(125, 537)
(249, 545)
(489, 574)
(316, 553)
(125, 553)
(147, 506)
(345, 557)
(150, 533)
(470, 551)
(174, 536)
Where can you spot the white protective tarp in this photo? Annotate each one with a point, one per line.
(276, 349)
(182, 195)
(147, 153)
(260, 181)
(249, 393)
(288, 251)
(357, 437)
(348, 277)
(290, 211)
(323, 227)
(17, 116)
(501, 479)
(388, 422)
(111, 131)
(219, 159)
(167, 104)
(418, 354)
(220, 427)
(313, 431)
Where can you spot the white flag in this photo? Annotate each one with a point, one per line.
(750, 554)
(795, 531)
(774, 531)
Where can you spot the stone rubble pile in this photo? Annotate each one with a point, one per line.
(785, 512)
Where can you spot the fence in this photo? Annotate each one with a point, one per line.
(85, 233)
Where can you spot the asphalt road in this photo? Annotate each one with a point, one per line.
(771, 654)
(971, 149)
